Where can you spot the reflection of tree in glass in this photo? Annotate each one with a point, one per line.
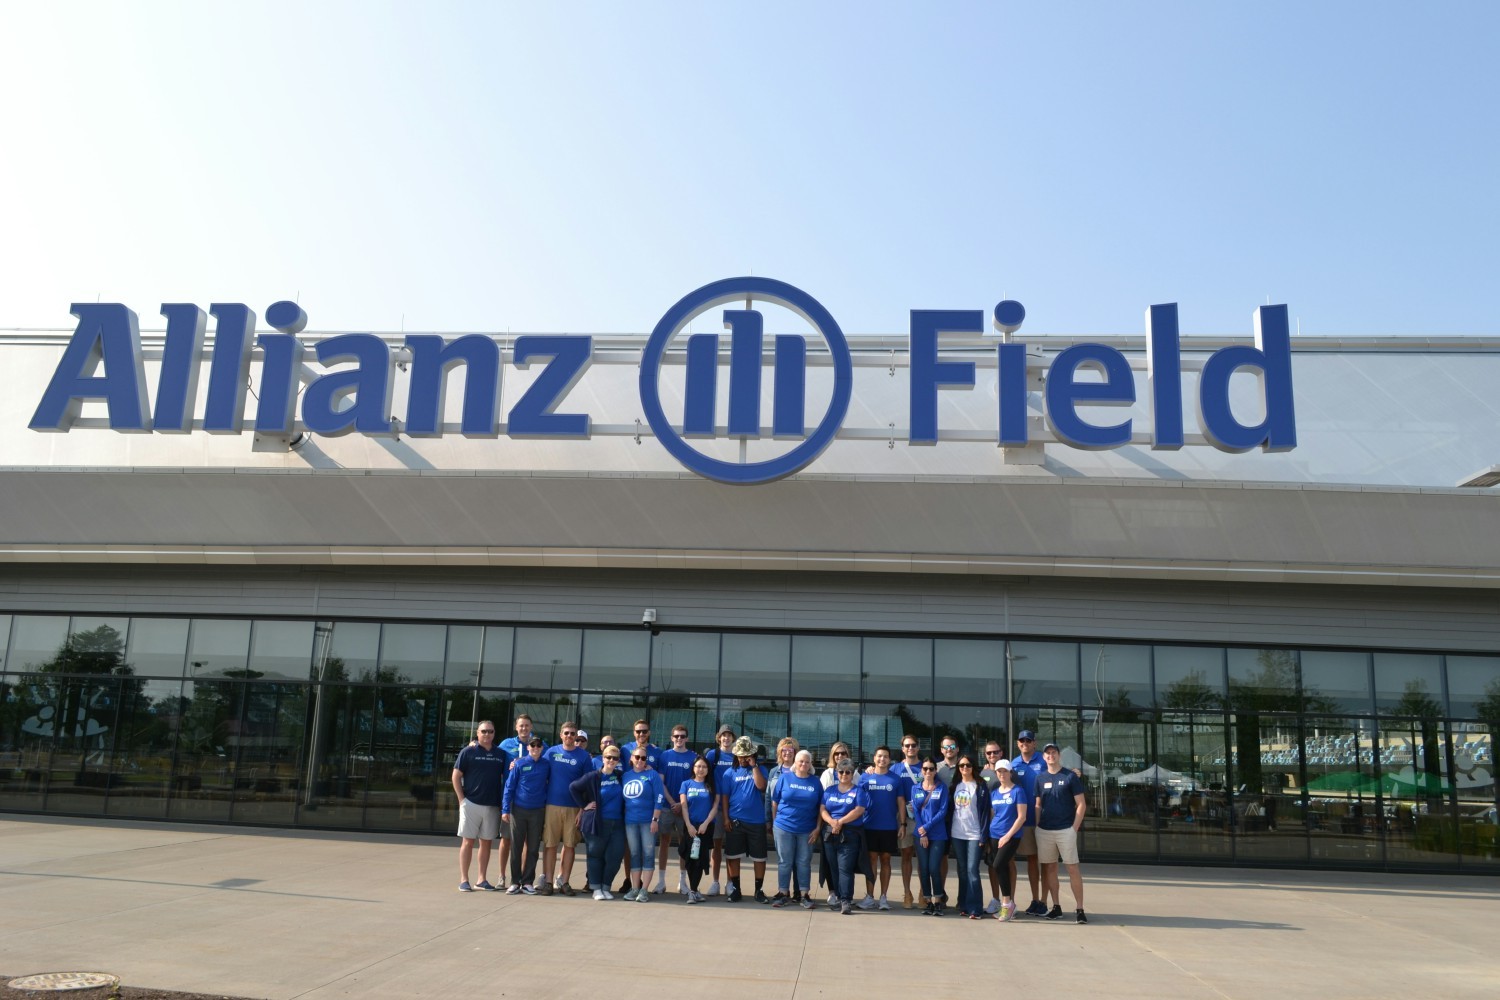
(1191, 694)
(84, 712)
(1416, 704)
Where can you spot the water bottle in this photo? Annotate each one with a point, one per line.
(696, 849)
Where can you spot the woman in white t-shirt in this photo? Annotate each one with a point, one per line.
(967, 829)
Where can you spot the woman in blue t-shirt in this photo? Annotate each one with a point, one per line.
(602, 820)
(700, 807)
(644, 797)
(795, 803)
(930, 803)
(1007, 823)
(844, 808)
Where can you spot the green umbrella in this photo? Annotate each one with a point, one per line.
(1344, 781)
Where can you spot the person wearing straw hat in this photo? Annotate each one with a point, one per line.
(742, 799)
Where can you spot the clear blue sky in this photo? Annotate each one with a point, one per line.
(579, 167)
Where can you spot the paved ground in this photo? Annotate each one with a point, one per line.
(279, 914)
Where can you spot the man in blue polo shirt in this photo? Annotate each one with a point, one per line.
(479, 783)
(1061, 805)
(1023, 769)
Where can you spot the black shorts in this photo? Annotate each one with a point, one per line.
(745, 840)
(881, 842)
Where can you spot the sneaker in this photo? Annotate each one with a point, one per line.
(713, 889)
(1082, 917)
(807, 903)
(1055, 912)
(682, 886)
(485, 885)
(692, 897)
(500, 884)
(514, 890)
(733, 894)
(630, 894)
(868, 903)
(833, 901)
(883, 904)
(643, 896)
(937, 911)
(993, 908)
(465, 887)
(1037, 908)
(661, 883)
(1008, 911)
(625, 886)
(529, 890)
(761, 897)
(846, 909)
(566, 889)
(929, 910)
(780, 900)
(599, 895)
(545, 889)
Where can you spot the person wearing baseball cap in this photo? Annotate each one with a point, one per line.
(1061, 805)
(1009, 806)
(1025, 766)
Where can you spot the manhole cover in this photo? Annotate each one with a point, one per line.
(64, 981)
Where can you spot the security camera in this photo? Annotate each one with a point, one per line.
(648, 618)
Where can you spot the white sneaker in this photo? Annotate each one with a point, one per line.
(661, 883)
(883, 904)
(607, 894)
(868, 903)
(599, 894)
(994, 907)
(682, 886)
(713, 888)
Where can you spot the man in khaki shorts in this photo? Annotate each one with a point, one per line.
(909, 770)
(1060, 805)
(1024, 768)
(569, 762)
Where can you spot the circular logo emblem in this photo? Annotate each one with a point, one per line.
(718, 293)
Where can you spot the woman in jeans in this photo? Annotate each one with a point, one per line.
(968, 822)
(700, 805)
(1007, 823)
(795, 804)
(844, 808)
(600, 793)
(644, 797)
(930, 802)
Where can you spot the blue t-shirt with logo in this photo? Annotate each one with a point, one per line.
(931, 812)
(1004, 805)
(911, 777)
(483, 773)
(567, 767)
(676, 767)
(747, 803)
(700, 801)
(1056, 805)
(883, 791)
(643, 795)
(840, 804)
(1024, 774)
(797, 802)
(526, 787)
(611, 797)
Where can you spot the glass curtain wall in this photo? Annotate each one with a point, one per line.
(1203, 754)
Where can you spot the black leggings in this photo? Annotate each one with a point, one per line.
(1003, 857)
(696, 868)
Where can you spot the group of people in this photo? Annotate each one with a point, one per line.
(631, 803)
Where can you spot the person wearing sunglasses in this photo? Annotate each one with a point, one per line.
(786, 756)
(839, 751)
(524, 808)
(968, 824)
(992, 754)
(885, 824)
(947, 769)
(1008, 809)
(931, 801)
(642, 730)
(721, 758)
(516, 747)
(1025, 767)
(676, 767)
(569, 763)
(644, 800)
(479, 783)
(909, 770)
(828, 863)
(844, 808)
(601, 819)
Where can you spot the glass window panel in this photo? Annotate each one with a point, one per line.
(218, 648)
(158, 647)
(684, 662)
(352, 650)
(972, 724)
(150, 713)
(1116, 675)
(1268, 801)
(817, 725)
(762, 719)
(4, 639)
(269, 752)
(756, 664)
(406, 759)
(1335, 682)
(412, 654)
(1343, 817)
(1474, 779)
(1408, 684)
(886, 724)
(204, 776)
(1417, 787)
(1187, 782)
(700, 714)
(35, 642)
(499, 642)
(897, 669)
(462, 669)
(1474, 687)
(615, 659)
(825, 666)
(100, 636)
(1042, 673)
(82, 732)
(547, 659)
(28, 706)
(969, 669)
(1263, 680)
(1188, 678)
(281, 650)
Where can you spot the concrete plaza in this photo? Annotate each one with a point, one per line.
(283, 914)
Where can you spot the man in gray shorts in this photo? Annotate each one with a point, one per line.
(479, 784)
